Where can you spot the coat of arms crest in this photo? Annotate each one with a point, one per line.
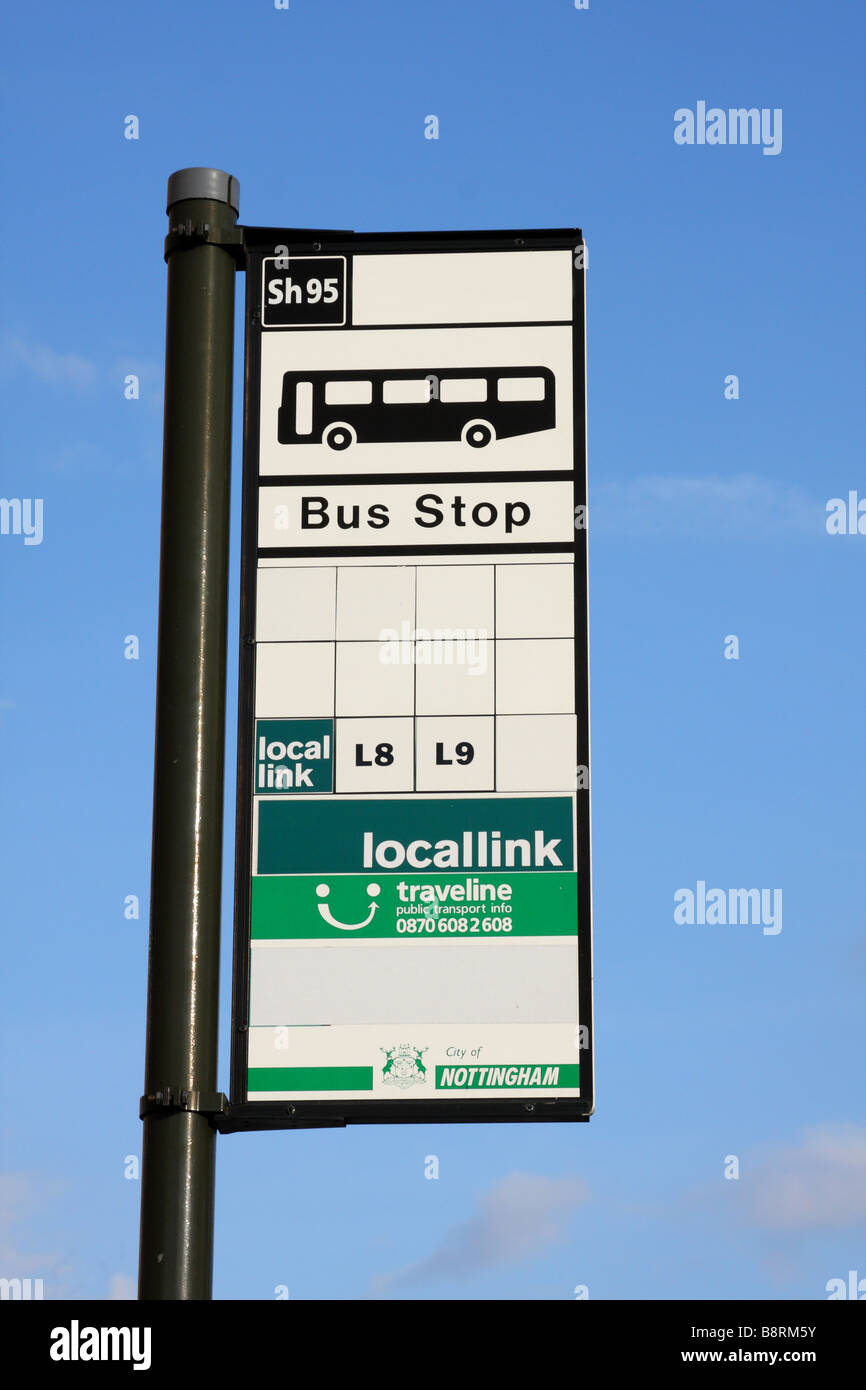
(403, 1066)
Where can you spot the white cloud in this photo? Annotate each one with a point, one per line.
(710, 507)
(820, 1182)
(57, 368)
(521, 1216)
(20, 1195)
(120, 1286)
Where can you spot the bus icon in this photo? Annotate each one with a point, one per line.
(474, 404)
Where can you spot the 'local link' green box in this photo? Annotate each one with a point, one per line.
(294, 755)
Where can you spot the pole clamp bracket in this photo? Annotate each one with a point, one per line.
(186, 235)
(209, 1103)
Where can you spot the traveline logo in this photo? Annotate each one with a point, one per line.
(474, 849)
(76, 1343)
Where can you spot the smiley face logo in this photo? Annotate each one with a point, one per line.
(322, 891)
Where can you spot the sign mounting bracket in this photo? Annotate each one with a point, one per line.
(209, 1103)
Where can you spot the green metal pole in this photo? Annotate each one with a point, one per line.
(179, 1142)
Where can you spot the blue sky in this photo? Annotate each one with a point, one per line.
(707, 520)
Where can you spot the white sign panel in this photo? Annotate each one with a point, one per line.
(413, 935)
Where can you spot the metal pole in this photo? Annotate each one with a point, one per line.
(179, 1142)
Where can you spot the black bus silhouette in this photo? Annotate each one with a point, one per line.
(475, 404)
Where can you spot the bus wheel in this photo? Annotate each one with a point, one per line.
(339, 436)
(477, 434)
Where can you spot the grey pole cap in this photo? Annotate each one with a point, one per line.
(203, 183)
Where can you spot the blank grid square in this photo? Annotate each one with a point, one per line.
(465, 687)
(367, 684)
(295, 605)
(535, 677)
(455, 598)
(372, 601)
(535, 600)
(536, 753)
(294, 680)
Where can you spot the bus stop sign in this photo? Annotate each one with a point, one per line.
(413, 905)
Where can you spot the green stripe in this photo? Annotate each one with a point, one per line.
(310, 1079)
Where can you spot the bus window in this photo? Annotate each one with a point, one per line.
(348, 393)
(304, 407)
(520, 388)
(463, 389)
(413, 392)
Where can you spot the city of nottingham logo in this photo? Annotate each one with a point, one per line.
(403, 1066)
